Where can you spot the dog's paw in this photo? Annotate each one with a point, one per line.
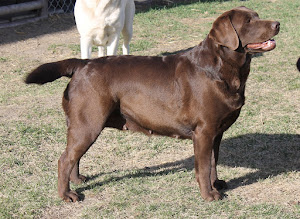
(213, 195)
(70, 196)
(78, 180)
(220, 184)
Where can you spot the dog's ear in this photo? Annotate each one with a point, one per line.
(224, 33)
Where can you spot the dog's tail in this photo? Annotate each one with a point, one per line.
(51, 71)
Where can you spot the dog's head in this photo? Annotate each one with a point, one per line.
(242, 27)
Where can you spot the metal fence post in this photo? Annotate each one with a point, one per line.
(44, 11)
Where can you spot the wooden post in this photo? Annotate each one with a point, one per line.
(17, 8)
(21, 13)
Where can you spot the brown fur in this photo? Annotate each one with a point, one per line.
(196, 94)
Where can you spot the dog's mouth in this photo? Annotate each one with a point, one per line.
(262, 47)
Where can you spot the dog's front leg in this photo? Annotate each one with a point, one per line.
(203, 140)
(215, 182)
(85, 47)
(101, 51)
(75, 177)
(112, 46)
(127, 35)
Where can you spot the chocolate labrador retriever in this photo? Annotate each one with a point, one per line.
(196, 94)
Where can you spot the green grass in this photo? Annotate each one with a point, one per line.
(131, 175)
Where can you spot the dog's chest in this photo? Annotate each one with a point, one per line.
(229, 120)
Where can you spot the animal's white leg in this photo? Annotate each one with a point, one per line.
(127, 29)
(112, 46)
(85, 47)
(127, 38)
(101, 51)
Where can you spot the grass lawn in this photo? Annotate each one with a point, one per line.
(134, 176)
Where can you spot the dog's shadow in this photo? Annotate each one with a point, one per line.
(268, 154)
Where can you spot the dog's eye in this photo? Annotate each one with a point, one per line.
(248, 20)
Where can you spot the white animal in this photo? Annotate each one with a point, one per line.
(100, 22)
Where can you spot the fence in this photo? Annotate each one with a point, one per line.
(60, 6)
(16, 12)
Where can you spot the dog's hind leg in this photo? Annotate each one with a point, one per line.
(87, 118)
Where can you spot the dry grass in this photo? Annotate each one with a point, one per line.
(131, 175)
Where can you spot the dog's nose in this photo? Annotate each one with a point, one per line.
(275, 25)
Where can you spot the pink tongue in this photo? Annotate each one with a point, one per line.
(267, 45)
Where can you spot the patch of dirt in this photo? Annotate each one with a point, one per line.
(33, 41)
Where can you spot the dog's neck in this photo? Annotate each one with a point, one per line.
(230, 69)
(224, 63)
(236, 58)
(239, 63)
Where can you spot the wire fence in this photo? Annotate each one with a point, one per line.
(67, 6)
(60, 6)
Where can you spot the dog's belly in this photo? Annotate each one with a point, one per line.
(161, 128)
(156, 118)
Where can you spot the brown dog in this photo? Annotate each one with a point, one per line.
(196, 94)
